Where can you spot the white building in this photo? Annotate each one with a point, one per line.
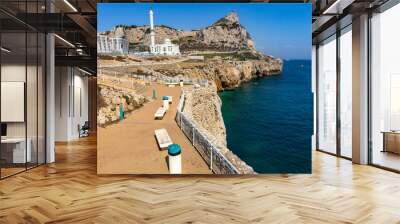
(167, 48)
(112, 45)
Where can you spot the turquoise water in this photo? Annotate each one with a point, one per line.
(269, 120)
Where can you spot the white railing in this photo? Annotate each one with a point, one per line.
(207, 148)
(151, 77)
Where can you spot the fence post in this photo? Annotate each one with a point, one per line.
(211, 158)
(193, 136)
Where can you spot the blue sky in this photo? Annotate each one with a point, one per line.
(281, 30)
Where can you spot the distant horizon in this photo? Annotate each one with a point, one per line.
(288, 35)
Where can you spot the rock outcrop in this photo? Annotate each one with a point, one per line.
(109, 99)
(226, 74)
(227, 34)
(208, 116)
(230, 74)
(207, 113)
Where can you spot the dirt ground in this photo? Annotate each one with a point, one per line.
(130, 147)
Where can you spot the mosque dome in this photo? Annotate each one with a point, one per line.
(167, 41)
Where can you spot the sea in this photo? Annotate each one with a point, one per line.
(269, 120)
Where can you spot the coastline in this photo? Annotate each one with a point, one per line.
(281, 106)
(203, 105)
(207, 133)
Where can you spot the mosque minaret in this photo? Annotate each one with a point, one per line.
(167, 48)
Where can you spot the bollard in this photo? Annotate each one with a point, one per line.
(211, 160)
(154, 94)
(193, 136)
(121, 112)
(165, 102)
(174, 159)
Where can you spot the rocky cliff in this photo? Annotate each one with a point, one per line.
(208, 116)
(206, 113)
(227, 34)
(225, 73)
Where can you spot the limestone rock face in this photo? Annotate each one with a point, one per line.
(227, 34)
(119, 32)
(204, 107)
(226, 74)
(109, 99)
(230, 74)
(140, 35)
(232, 17)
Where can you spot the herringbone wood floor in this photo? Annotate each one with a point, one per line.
(69, 191)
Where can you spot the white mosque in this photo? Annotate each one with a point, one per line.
(167, 48)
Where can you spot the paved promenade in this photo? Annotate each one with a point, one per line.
(129, 147)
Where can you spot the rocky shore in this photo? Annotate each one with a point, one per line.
(226, 74)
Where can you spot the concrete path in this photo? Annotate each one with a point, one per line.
(129, 147)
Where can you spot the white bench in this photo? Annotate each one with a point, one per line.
(160, 113)
(163, 138)
(172, 84)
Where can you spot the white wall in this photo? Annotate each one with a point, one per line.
(79, 117)
(70, 83)
(33, 125)
(61, 103)
(346, 76)
(314, 90)
(14, 72)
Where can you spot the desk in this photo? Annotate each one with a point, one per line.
(391, 141)
(15, 148)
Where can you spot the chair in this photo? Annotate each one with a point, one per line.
(84, 130)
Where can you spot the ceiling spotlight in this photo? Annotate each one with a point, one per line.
(64, 40)
(70, 5)
(5, 50)
(337, 7)
(86, 72)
